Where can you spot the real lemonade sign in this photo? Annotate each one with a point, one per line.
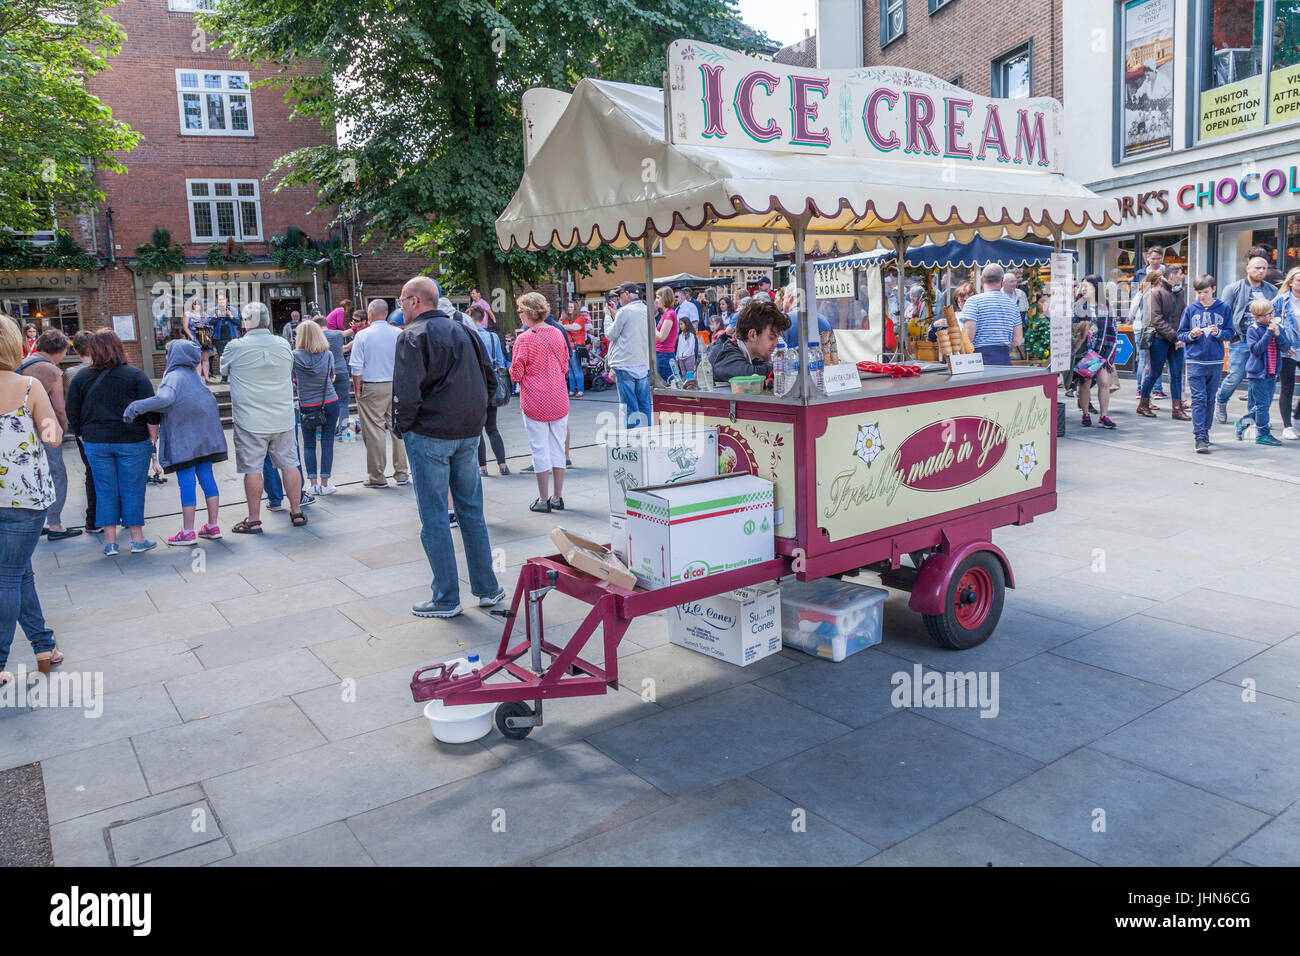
(717, 97)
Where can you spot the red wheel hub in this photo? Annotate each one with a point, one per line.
(973, 598)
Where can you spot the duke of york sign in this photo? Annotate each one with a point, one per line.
(717, 97)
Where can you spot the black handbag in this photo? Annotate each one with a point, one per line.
(501, 396)
(313, 416)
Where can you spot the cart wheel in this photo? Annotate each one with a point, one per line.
(513, 708)
(972, 604)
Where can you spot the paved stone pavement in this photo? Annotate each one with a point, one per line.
(256, 707)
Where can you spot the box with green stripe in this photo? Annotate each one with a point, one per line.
(686, 531)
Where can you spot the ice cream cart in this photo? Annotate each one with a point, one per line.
(906, 477)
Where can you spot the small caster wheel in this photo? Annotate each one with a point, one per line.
(513, 708)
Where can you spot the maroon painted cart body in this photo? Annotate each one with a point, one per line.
(955, 573)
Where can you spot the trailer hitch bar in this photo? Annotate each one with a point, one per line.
(443, 681)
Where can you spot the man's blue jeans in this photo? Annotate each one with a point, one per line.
(1204, 383)
(1238, 353)
(272, 484)
(20, 530)
(634, 393)
(439, 465)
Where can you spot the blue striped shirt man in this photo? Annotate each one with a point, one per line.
(996, 318)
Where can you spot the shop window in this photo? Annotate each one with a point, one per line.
(1249, 66)
(1113, 258)
(191, 6)
(956, 81)
(1011, 74)
(893, 21)
(214, 103)
(63, 314)
(1292, 244)
(934, 6)
(1235, 239)
(222, 209)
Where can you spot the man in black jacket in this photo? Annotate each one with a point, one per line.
(442, 377)
(749, 351)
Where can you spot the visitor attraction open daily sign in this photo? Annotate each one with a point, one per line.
(717, 97)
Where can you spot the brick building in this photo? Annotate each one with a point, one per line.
(1006, 48)
(202, 172)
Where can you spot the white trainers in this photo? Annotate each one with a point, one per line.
(1291, 433)
(326, 489)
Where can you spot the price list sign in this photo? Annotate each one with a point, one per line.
(1062, 311)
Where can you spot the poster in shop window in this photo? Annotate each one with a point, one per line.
(1148, 113)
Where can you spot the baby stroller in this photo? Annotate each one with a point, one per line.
(594, 372)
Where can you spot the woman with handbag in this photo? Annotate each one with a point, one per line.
(199, 331)
(1164, 311)
(1098, 362)
(492, 345)
(318, 405)
(190, 439)
(537, 364)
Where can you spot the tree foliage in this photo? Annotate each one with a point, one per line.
(427, 96)
(54, 133)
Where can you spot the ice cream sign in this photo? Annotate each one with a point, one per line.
(717, 97)
(902, 464)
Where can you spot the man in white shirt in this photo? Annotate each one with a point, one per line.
(371, 364)
(629, 352)
(687, 309)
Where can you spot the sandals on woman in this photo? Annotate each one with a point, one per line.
(247, 527)
(298, 520)
(47, 659)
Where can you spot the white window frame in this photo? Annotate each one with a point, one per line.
(191, 6)
(225, 93)
(212, 199)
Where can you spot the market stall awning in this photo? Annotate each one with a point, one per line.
(952, 255)
(724, 189)
(684, 280)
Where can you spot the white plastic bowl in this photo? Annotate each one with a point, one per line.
(461, 723)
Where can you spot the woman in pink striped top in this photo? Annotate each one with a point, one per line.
(539, 364)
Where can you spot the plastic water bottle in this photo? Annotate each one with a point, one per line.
(780, 370)
(704, 373)
(815, 366)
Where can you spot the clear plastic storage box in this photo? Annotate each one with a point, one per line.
(829, 618)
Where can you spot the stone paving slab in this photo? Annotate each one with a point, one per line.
(203, 591)
(91, 640)
(854, 691)
(1161, 652)
(1276, 843)
(1083, 604)
(162, 834)
(1049, 705)
(331, 845)
(1212, 739)
(218, 690)
(895, 777)
(283, 601)
(680, 675)
(285, 797)
(975, 837)
(1234, 614)
(737, 823)
(199, 749)
(50, 731)
(272, 637)
(1276, 671)
(574, 718)
(715, 738)
(1150, 819)
(143, 665)
(85, 781)
(509, 814)
(83, 841)
(204, 854)
(370, 703)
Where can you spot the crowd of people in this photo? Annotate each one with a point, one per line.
(428, 381)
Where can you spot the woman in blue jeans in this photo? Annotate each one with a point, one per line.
(119, 452)
(318, 405)
(26, 491)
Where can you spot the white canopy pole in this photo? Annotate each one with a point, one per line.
(799, 226)
(647, 246)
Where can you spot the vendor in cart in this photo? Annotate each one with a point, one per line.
(749, 351)
(991, 319)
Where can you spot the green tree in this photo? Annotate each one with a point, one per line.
(54, 133)
(429, 93)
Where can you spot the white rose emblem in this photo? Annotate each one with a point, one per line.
(869, 443)
(1027, 459)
